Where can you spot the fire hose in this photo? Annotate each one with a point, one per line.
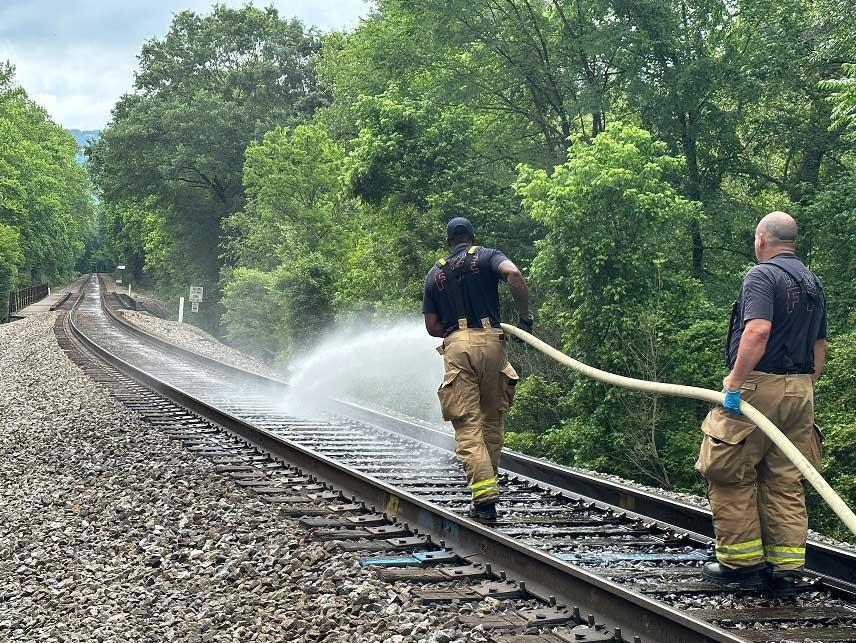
(714, 397)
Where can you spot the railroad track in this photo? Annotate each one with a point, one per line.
(600, 561)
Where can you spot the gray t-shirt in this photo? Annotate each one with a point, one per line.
(798, 320)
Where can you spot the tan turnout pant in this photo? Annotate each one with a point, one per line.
(478, 387)
(756, 493)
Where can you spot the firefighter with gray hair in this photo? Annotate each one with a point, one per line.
(775, 351)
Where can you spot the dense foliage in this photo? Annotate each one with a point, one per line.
(46, 212)
(169, 164)
(620, 152)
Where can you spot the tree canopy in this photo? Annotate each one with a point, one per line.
(173, 152)
(45, 203)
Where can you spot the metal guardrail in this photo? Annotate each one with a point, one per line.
(19, 299)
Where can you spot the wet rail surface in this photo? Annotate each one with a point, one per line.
(643, 555)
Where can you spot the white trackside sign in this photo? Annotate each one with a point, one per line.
(196, 294)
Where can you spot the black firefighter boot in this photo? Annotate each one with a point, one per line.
(483, 512)
(786, 583)
(754, 577)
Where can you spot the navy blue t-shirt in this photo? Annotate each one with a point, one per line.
(480, 288)
(770, 293)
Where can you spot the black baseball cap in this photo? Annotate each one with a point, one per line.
(458, 227)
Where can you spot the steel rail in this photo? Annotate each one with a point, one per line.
(545, 576)
(836, 566)
(179, 350)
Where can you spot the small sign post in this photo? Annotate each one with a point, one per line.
(194, 306)
(180, 310)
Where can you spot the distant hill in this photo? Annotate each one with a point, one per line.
(83, 137)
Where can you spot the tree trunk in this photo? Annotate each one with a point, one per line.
(688, 143)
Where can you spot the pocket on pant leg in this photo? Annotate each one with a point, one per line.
(722, 455)
(509, 379)
(451, 396)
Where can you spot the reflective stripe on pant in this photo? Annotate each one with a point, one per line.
(485, 489)
(756, 493)
(746, 553)
(785, 557)
(477, 390)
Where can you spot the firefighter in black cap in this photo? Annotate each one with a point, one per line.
(461, 305)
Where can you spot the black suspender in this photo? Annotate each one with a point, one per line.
(454, 279)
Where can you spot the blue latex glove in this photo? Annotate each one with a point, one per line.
(732, 401)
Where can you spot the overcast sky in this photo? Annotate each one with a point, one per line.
(77, 57)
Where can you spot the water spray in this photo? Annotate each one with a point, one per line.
(387, 364)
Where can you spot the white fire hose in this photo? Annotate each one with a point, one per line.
(714, 397)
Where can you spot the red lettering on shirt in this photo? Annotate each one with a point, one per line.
(440, 279)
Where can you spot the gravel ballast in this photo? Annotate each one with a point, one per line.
(111, 532)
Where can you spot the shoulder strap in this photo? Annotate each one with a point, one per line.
(799, 279)
(772, 262)
(455, 286)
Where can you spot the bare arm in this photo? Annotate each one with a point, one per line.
(753, 343)
(517, 285)
(433, 325)
(819, 359)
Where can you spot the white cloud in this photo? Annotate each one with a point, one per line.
(77, 58)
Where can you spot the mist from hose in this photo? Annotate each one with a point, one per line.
(387, 365)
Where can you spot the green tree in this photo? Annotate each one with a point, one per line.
(836, 394)
(539, 70)
(615, 278)
(292, 233)
(843, 96)
(44, 193)
(202, 94)
(832, 217)
(276, 314)
(294, 198)
(413, 166)
(10, 259)
(253, 316)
